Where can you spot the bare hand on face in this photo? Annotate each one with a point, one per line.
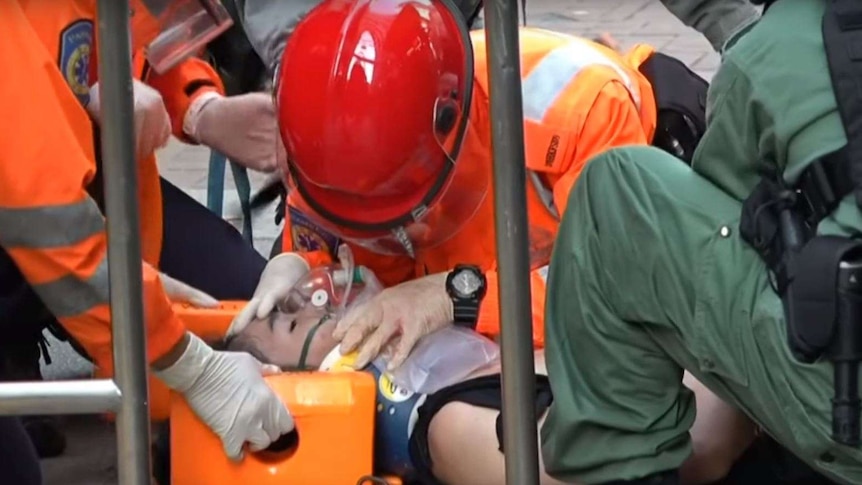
(398, 317)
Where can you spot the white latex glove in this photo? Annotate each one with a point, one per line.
(152, 122)
(227, 391)
(242, 127)
(279, 276)
(395, 318)
(180, 292)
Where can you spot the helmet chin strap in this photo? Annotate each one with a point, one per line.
(403, 238)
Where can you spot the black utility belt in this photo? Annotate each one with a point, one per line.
(819, 278)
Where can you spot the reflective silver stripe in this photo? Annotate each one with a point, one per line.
(50, 226)
(543, 273)
(546, 195)
(70, 296)
(556, 71)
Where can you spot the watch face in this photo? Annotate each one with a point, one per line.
(465, 283)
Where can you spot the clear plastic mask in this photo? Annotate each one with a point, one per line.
(333, 287)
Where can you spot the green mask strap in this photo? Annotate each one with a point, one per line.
(303, 356)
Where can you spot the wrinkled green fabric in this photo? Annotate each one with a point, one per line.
(649, 276)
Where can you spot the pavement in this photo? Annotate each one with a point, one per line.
(91, 456)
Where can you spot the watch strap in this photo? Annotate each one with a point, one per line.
(466, 313)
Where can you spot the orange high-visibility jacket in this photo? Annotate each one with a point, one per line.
(178, 87)
(580, 98)
(67, 30)
(48, 223)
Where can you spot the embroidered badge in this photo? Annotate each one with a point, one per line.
(308, 236)
(76, 42)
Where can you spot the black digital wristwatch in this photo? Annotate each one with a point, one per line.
(466, 285)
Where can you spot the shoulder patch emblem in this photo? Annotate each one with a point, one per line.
(76, 43)
(308, 236)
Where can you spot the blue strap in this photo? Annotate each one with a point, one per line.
(215, 190)
(215, 182)
(243, 190)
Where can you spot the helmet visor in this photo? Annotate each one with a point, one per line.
(458, 200)
(173, 30)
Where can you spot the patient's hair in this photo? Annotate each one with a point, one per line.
(241, 343)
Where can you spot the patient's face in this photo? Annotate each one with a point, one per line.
(279, 339)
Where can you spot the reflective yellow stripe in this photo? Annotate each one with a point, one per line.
(47, 227)
(550, 77)
(70, 296)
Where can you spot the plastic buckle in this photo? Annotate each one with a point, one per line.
(809, 208)
(815, 189)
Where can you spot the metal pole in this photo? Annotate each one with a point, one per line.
(59, 397)
(513, 256)
(124, 246)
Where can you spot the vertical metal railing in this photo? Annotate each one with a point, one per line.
(126, 394)
(513, 255)
(124, 241)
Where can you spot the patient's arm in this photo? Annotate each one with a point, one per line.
(462, 440)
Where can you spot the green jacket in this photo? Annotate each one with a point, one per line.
(772, 100)
(649, 276)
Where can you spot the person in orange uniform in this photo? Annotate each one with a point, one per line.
(53, 231)
(397, 162)
(176, 96)
(183, 97)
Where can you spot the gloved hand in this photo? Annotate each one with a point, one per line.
(397, 318)
(242, 127)
(180, 292)
(227, 391)
(279, 276)
(152, 122)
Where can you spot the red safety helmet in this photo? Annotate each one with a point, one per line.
(373, 99)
